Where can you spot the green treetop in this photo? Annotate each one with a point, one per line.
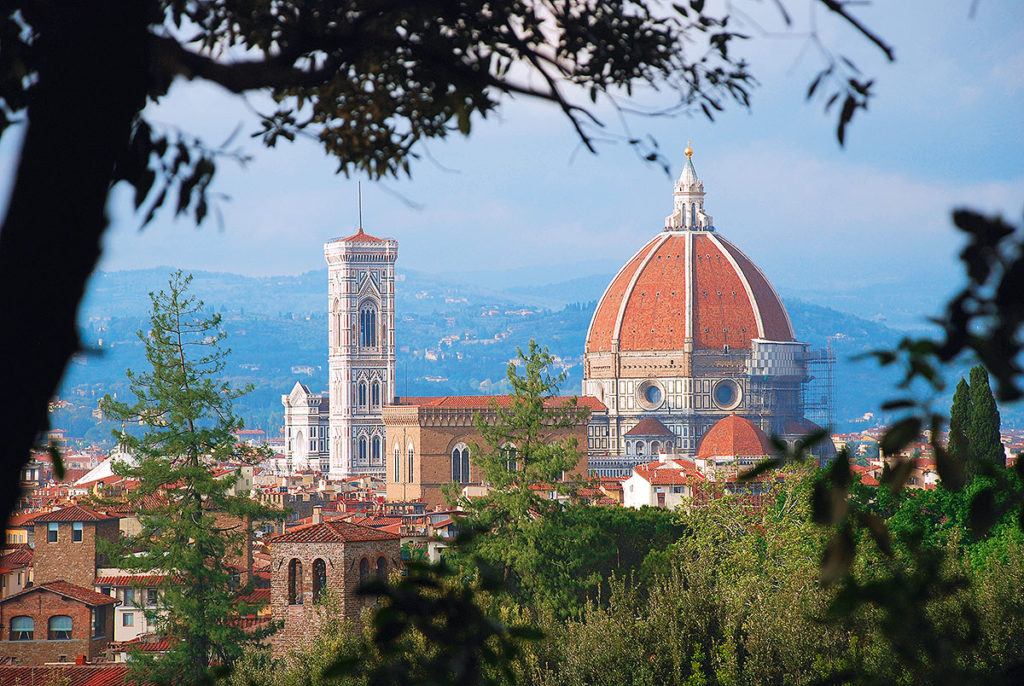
(193, 525)
(960, 415)
(984, 428)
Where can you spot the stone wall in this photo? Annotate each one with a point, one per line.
(301, 621)
(71, 561)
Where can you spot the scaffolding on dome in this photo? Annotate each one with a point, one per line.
(819, 390)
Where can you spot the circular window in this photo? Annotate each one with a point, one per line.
(727, 394)
(650, 395)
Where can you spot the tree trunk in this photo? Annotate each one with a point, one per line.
(90, 88)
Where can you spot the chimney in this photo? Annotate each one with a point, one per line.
(318, 515)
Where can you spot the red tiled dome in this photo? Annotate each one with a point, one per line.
(647, 307)
(734, 436)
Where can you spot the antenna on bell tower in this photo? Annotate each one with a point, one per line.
(359, 193)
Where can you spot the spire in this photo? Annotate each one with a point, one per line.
(688, 206)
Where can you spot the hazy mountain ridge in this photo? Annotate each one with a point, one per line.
(452, 338)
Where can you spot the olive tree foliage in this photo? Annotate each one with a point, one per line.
(369, 79)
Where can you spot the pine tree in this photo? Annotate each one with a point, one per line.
(521, 450)
(192, 523)
(984, 428)
(960, 416)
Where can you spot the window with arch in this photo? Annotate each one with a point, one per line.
(319, 579)
(368, 326)
(375, 452)
(375, 394)
(364, 570)
(408, 467)
(60, 628)
(398, 463)
(460, 464)
(656, 448)
(362, 449)
(511, 457)
(22, 628)
(362, 394)
(295, 582)
(382, 568)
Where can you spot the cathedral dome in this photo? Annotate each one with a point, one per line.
(734, 436)
(687, 288)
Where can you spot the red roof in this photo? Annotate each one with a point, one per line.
(73, 675)
(645, 306)
(484, 402)
(649, 426)
(16, 559)
(734, 436)
(68, 590)
(74, 513)
(136, 581)
(332, 532)
(669, 473)
(21, 518)
(361, 237)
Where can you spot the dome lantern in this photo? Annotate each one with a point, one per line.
(688, 205)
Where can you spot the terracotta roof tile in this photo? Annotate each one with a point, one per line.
(132, 581)
(68, 590)
(73, 675)
(73, 513)
(361, 236)
(332, 532)
(484, 402)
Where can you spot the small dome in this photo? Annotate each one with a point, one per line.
(734, 436)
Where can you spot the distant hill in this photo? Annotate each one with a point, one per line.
(452, 338)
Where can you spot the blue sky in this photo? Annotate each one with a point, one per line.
(865, 228)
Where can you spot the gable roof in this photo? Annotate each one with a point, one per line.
(333, 532)
(68, 590)
(73, 513)
(649, 426)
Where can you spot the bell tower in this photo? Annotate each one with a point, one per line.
(361, 345)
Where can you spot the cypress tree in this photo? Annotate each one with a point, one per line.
(984, 428)
(960, 417)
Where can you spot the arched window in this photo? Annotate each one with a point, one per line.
(382, 568)
(398, 463)
(655, 448)
(364, 570)
(319, 579)
(408, 467)
(295, 582)
(375, 394)
(60, 628)
(375, 450)
(368, 326)
(511, 457)
(362, 450)
(460, 464)
(362, 394)
(22, 628)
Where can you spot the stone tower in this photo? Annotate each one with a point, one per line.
(361, 344)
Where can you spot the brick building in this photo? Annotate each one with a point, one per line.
(309, 561)
(66, 544)
(55, 621)
(429, 439)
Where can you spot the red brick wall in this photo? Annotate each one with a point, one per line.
(342, 565)
(42, 605)
(67, 560)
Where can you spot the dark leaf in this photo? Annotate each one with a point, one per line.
(879, 532)
(983, 511)
(760, 468)
(899, 474)
(838, 556)
(900, 435)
